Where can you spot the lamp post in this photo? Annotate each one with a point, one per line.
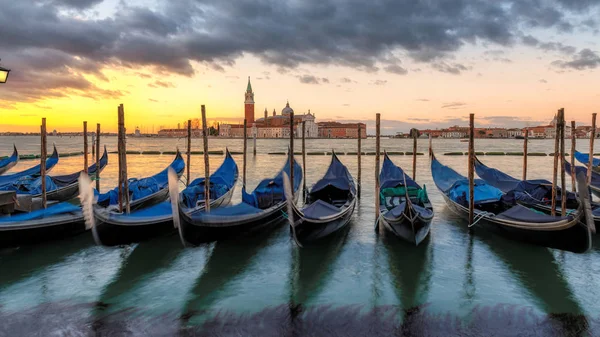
(4, 74)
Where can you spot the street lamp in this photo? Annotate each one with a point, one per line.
(4, 74)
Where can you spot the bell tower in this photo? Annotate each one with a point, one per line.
(249, 104)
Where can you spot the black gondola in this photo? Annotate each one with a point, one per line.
(58, 188)
(329, 205)
(496, 213)
(32, 172)
(114, 228)
(259, 210)
(9, 162)
(144, 192)
(57, 221)
(405, 209)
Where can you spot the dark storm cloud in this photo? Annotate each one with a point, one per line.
(284, 34)
(585, 59)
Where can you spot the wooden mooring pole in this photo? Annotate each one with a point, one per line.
(304, 159)
(254, 131)
(414, 166)
(43, 161)
(85, 148)
(359, 159)
(292, 153)
(245, 150)
(206, 167)
(377, 168)
(555, 167)
(563, 186)
(189, 151)
(573, 146)
(471, 163)
(97, 173)
(525, 140)
(591, 159)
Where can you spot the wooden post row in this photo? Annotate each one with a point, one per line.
(97, 173)
(377, 151)
(85, 148)
(555, 167)
(563, 187)
(292, 153)
(573, 146)
(245, 150)
(525, 140)
(591, 159)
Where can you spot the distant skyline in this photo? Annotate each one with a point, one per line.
(422, 64)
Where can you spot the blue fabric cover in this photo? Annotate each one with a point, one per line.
(161, 210)
(270, 191)
(531, 191)
(139, 188)
(234, 210)
(33, 185)
(10, 160)
(337, 175)
(319, 209)
(221, 182)
(595, 175)
(52, 210)
(456, 187)
(585, 159)
(34, 172)
(393, 176)
(524, 214)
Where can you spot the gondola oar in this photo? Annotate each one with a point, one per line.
(87, 200)
(174, 196)
(289, 197)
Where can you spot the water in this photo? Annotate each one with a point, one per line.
(353, 284)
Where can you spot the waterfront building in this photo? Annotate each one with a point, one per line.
(341, 130)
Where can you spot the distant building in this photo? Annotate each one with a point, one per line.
(341, 130)
(249, 104)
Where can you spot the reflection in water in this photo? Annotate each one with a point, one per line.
(27, 260)
(138, 262)
(313, 265)
(469, 286)
(229, 259)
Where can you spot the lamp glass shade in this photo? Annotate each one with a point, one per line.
(3, 75)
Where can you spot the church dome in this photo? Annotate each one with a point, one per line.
(287, 110)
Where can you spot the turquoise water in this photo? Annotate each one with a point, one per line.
(355, 283)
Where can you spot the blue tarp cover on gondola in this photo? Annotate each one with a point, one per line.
(32, 172)
(585, 159)
(524, 214)
(221, 181)
(9, 162)
(33, 186)
(52, 210)
(392, 175)
(270, 191)
(456, 187)
(139, 188)
(319, 209)
(595, 175)
(337, 175)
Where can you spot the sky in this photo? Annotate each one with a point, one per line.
(423, 64)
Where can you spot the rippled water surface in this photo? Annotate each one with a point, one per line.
(352, 284)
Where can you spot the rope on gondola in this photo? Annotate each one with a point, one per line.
(481, 215)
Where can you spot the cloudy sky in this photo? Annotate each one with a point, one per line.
(420, 64)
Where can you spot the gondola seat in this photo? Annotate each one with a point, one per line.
(523, 214)
(320, 209)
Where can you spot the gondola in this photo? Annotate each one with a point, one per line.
(9, 162)
(32, 172)
(144, 192)
(58, 220)
(114, 228)
(58, 188)
(259, 210)
(329, 205)
(405, 209)
(505, 217)
(535, 193)
(595, 183)
(585, 159)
